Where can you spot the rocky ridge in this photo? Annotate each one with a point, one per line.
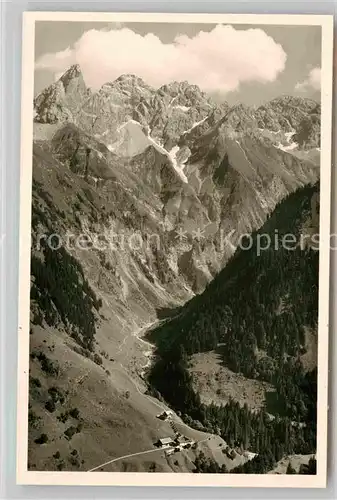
(213, 169)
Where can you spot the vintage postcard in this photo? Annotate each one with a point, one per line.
(174, 259)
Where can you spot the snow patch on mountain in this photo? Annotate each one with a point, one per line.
(178, 166)
(125, 124)
(195, 124)
(289, 135)
(183, 108)
(171, 155)
(131, 139)
(290, 147)
(273, 132)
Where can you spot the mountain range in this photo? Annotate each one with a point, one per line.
(211, 168)
(160, 184)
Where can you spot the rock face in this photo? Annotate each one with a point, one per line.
(211, 171)
(60, 102)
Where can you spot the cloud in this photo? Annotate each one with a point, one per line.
(219, 60)
(56, 62)
(313, 82)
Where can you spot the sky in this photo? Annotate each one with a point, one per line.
(234, 63)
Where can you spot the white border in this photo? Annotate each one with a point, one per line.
(166, 479)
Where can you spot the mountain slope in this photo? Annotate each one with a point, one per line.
(254, 314)
(267, 281)
(88, 302)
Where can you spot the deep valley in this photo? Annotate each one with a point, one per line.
(149, 320)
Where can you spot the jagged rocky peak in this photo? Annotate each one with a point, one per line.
(130, 77)
(185, 89)
(285, 112)
(127, 90)
(74, 72)
(58, 102)
(288, 100)
(175, 87)
(239, 117)
(127, 81)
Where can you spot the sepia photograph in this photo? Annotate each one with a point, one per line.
(174, 259)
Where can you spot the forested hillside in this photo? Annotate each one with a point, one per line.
(257, 309)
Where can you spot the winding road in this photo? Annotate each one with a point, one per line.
(129, 456)
(167, 447)
(137, 334)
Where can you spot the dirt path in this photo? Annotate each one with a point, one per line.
(129, 456)
(127, 346)
(166, 447)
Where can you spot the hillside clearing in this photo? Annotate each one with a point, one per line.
(217, 384)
